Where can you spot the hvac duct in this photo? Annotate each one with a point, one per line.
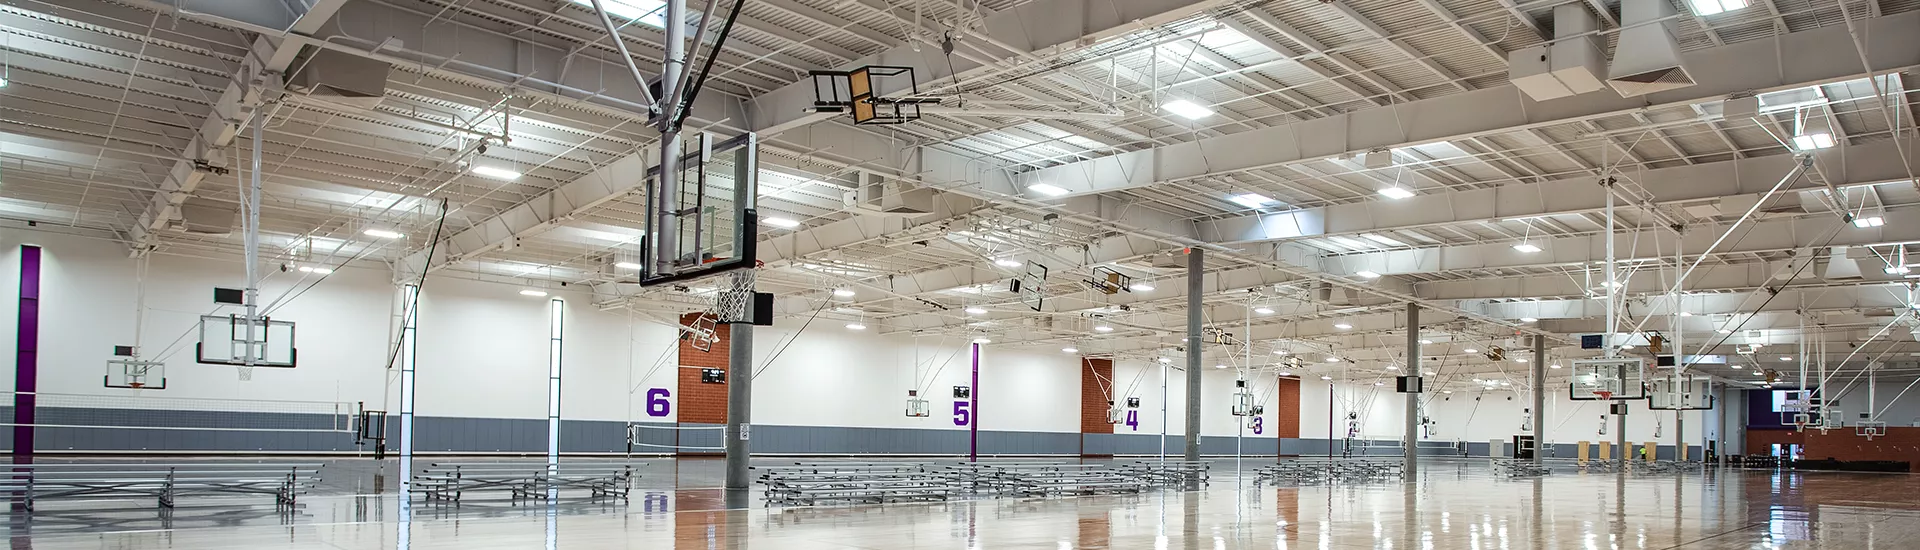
(342, 78)
(890, 196)
(1574, 64)
(1647, 59)
(1839, 266)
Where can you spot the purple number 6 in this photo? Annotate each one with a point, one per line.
(657, 404)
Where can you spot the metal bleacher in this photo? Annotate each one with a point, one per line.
(1300, 471)
(447, 482)
(809, 483)
(165, 483)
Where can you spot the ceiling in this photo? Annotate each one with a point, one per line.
(121, 117)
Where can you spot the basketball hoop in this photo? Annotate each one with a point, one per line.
(1603, 394)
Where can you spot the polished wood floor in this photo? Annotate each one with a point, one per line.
(1455, 504)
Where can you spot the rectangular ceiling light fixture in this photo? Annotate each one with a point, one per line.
(1809, 142)
(1710, 7)
(1187, 109)
(1047, 189)
(1396, 192)
(649, 12)
(775, 221)
(1864, 221)
(1251, 200)
(495, 173)
(1528, 248)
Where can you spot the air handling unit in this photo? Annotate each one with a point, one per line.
(1647, 59)
(1574, 64)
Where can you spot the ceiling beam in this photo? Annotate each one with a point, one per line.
(1857, 165)
(1805, 58)
(261, 78)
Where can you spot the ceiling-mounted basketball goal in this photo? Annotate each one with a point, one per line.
(706, 224)
(1608, 379)
(875, 94)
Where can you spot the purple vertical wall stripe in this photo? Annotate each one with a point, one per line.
(26, 362)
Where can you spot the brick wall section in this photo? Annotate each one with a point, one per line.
(1286, 413)
(1842, 444)
(1096, 384)
(702, 403)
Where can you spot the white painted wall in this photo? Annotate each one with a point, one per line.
(483, 353)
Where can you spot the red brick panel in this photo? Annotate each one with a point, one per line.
(1096, 387)
(1286, 413)
(1842, 444)
(702, 403)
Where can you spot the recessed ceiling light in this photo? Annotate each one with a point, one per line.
(1325, 377)
(1869, 221)
(495, 173)
(1785, 358)
(856, 326)
(1471, 350)
(1808, 142)
(781, 222)
(982, 341)
(1519, 359)
(1141, 287)
(532, 292)
(627, 265)
(1736, 367)
(1251, 200)
(1724, 331)
(382, 233)
(1526, 247)
(843, 292)
(1393, 367)
(1281, 352)
(1342, 326)
(1710, 7)
(323, 271)
(1430, 373)
(976, 310)
(1286, 373)
(1379, 383)
(1686, 314)
(1164, 360)
(1047, 189)
(1003, 262)
(1628, 347)
(1896, 269)
(306, 269)
(1396, 192)
(1263, 310)
(1332, 359)
(1554, 366)
(1103, 328)
(1425, 342)
(1070, 350)
(1528, 319)
(1188, 109)
(1219, 366)
(1365, 274)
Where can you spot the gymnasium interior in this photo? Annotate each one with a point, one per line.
(966, 274)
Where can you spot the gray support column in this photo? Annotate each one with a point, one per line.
(1196, 272)
(740, 381)
(1410, 464)
(1620, 431)
(739, 399)
(1679, 435)
(1539, 397)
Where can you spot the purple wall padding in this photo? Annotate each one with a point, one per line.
(26, 362)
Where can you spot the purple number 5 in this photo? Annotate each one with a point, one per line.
(961, 414)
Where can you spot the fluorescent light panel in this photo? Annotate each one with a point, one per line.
(1365, 274)
(1047, 189)
(1251, 200)
(649, 12)
(787, 223)
(1187, 109)
(1808, 142)
(1396, 192)
(1528, 248)
(1869, 221)
(1711, 7)
(495, 173)
(383, 233)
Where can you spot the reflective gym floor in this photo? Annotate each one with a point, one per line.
(1458, 503)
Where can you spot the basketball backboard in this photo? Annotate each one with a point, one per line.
(706, 224)
(1679, 393)
(135, 374)
(223, 341)
(1608, 379)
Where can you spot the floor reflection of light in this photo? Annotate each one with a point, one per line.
(1160, 542)
(1219, 543)
(1064, 545)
